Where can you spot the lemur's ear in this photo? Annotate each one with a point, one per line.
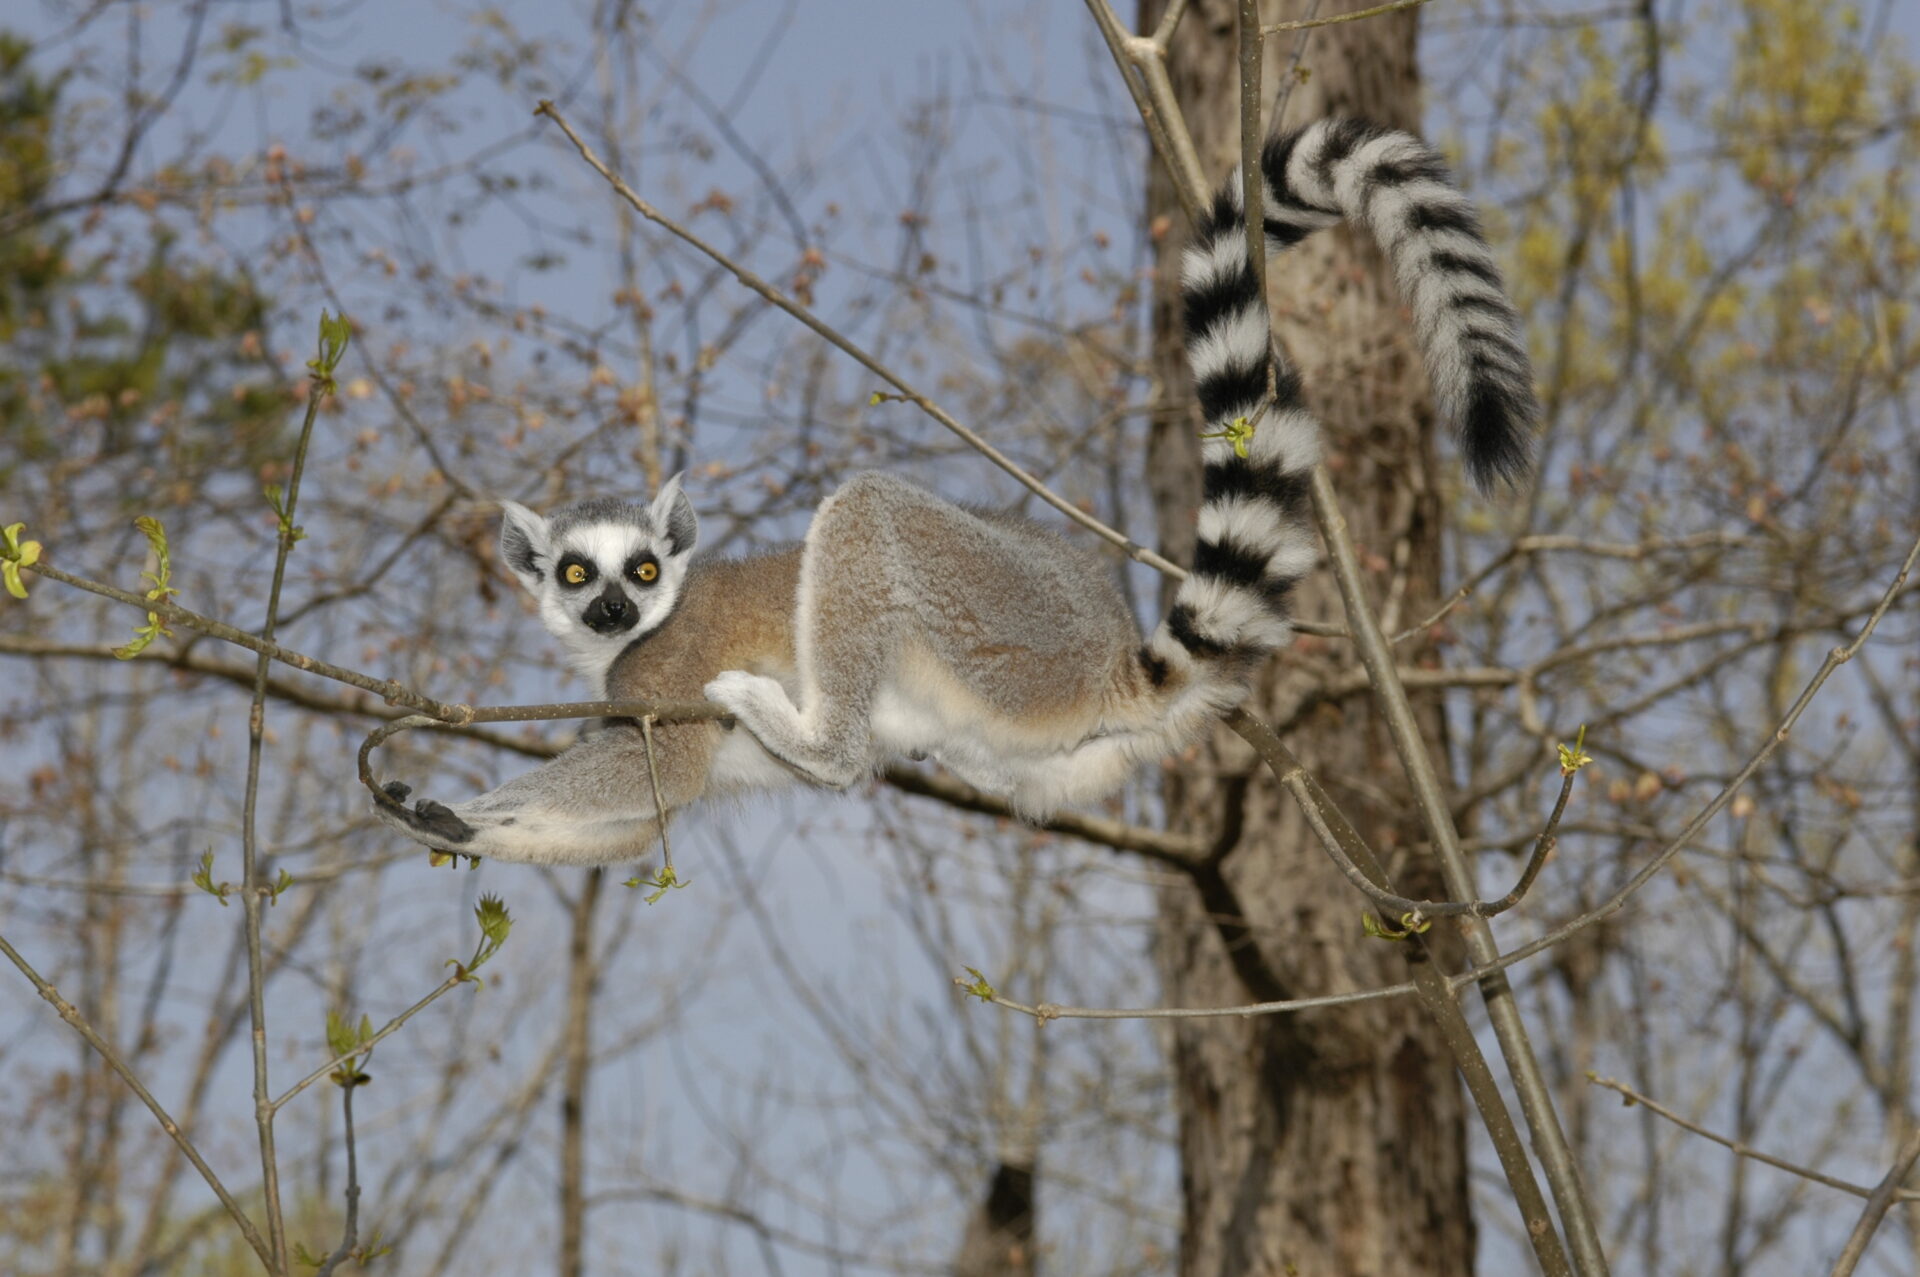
(673, 515)
(524, 544)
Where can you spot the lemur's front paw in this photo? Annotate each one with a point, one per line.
(430, 822)
(751, 698)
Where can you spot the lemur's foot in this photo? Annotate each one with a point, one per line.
(430, 822)
(754, 699)
(763, 707)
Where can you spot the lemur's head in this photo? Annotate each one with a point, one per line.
(605, 572)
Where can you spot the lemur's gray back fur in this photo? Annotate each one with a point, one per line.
(1255, 529)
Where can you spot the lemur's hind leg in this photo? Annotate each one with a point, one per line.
(847, 638)
(592, 805)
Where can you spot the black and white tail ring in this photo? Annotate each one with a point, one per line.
(1255, 531)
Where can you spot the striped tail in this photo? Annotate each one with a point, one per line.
(1255, 535)
(1398, 187)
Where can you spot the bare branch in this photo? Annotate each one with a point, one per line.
(1307, 24)
(1738, 1148)
(319, 386)
(71, 1014)
(754, 283)
(1180, 851)
(1876, 1209)
(350, 1234)
(1613, 904)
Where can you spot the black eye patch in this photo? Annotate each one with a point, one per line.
(644, 568)
(575, 572)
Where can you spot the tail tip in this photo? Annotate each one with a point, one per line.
(1496, 437)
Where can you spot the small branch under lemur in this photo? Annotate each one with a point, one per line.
(1173, 849)
(1176, 850)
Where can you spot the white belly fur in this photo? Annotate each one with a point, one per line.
(739, 763)
(923, 711)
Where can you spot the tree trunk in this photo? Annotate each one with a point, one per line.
(1330, 1144)
(998, 1241)
(582, 980)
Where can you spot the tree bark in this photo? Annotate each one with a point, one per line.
(583, 978)
(998, 1241)
(1331, 1144)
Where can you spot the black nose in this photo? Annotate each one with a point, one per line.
(610, 613)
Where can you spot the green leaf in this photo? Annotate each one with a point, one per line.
(1411, 924)
(143, 637)
(663, 882)
(276, 501)
(978, 987)
(1238, 432)
(203, 879)
(345, 1039)
(1574, 758)
(14, 555)
(335, 332)
(495, 922)
(156, 536)
(162, 578)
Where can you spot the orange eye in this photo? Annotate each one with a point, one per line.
(647, 571)
(576, 574)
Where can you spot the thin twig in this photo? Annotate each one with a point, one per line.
(1740, 1149)
(1253, 184)
(1138, 60)
(1543, 846)
(390, 1027)
(1876, 1208)
(318, 386)
(1163, 33)
(388, 689)
(1349, 852)
(1307, 24)
(821, 328)
(1181, 851)
(350, 1236)
(71, 1014)
(698, 711)
(659, 804)
(1613, 904)
(1291, 79)
(1055, 1011)
(1390, 694)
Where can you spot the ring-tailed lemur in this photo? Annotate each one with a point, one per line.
(905, 625)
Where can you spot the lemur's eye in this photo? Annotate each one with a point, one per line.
(647, 571)
(576, 574)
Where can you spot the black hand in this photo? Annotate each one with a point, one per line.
(438, 819)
